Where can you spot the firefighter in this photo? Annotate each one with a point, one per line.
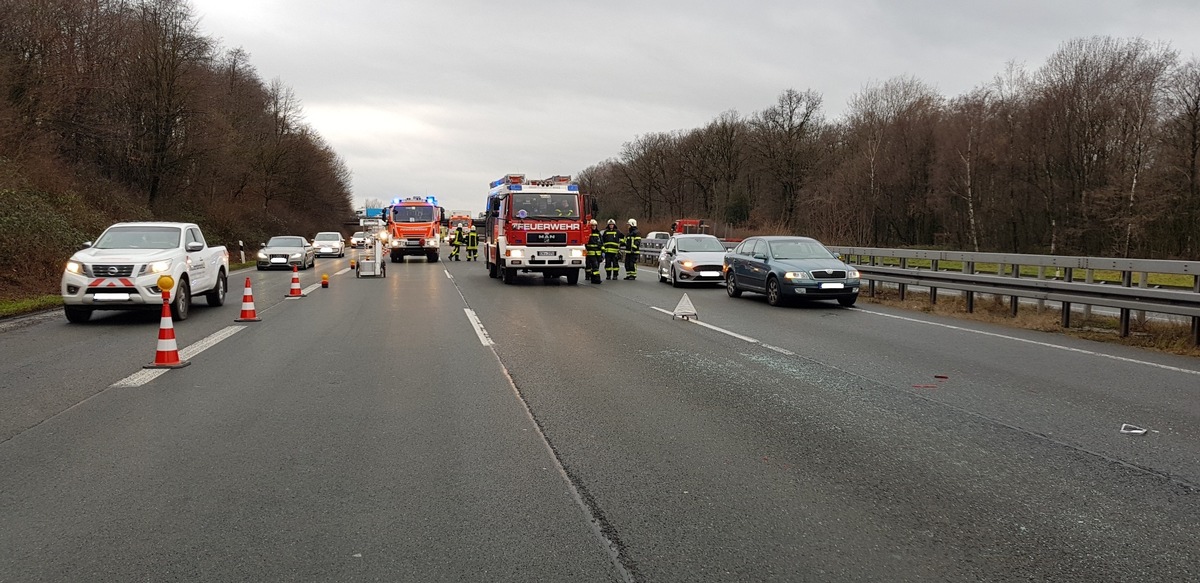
(610, 241)
(633, 247)
(456, 240)
(472, 244)
(593, 253)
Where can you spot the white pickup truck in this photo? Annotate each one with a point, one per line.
(120, 270)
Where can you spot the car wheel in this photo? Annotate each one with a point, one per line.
(77, 315)
(216, 297)
(731, 287)
(847, 301)
(661, 278)
(261, 268)
(674, 278)
(774, 292)
(182, 305)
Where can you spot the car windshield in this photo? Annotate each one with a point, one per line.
(799, 250)
(700, 244)
(359, 235)
(139, 238)
(545, 206)
(328, 236)
(412, 214)
(286, 242)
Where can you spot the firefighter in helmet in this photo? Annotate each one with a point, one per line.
(610, 241)
(632, 243)
(472, 244)
(593, 253)
(456, 241)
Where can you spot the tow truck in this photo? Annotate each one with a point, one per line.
(536, 226)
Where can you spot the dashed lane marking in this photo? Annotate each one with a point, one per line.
(484, 339)
(448, 276)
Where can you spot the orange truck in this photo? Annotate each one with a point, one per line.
(413, 226)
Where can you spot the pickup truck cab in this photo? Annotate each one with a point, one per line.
(120, 270)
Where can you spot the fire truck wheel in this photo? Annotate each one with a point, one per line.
(433, 257)
(573, 277)
(492, 271)
(510, 274)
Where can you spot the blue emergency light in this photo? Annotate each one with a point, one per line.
(431, 200)
(572, 188)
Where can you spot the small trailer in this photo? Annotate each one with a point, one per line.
(370, 262)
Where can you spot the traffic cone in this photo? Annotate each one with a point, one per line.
(249, 314)
(295, 292)
(167, 355)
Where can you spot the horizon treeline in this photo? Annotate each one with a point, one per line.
(1094, 153)
(122, 110)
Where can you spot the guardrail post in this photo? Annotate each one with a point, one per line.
(969, 268)
(1041, 274)
(1196, 320)
(933, 265)
(1068, 276)
(1013, 300)
(1143, 283)
(871, 283)
(1089, 277)
(1126, 281)
(903, 287)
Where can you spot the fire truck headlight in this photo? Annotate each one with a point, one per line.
(514, 253)
(577, 253)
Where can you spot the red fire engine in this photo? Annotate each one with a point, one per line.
(536, 226)
(413, 226)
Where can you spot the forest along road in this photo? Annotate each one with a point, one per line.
(439, 425)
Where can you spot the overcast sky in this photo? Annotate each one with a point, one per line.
(442, 97)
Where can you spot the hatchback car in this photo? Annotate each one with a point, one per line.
(329, 244)
(691, 259)
(286, 252)
(358, 239)
(786, 268)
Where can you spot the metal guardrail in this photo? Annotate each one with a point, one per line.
(1060, 287)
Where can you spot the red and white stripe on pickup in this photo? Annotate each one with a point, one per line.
(111, 282)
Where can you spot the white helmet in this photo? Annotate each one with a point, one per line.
(612, 222)
(592, 222)
(632, 222)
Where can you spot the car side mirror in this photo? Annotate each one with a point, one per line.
(86, 245)
(837, 256)
(193, 247)
(760, 256)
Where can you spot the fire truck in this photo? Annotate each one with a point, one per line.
(413, 226)
(536, 226)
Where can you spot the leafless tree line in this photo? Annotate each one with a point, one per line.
(125, 103)
(1094, 153)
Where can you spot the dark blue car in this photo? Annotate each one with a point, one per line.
(787, 268)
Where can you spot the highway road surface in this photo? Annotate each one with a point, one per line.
(437, 425)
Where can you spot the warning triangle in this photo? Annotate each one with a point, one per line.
(685, 309)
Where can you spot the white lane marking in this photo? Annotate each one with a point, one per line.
(448, 276)
(343, 270)
(144, 376)
(711, 327)
(484, 339)
(310, 288)
(779, 350)
(1033, 342)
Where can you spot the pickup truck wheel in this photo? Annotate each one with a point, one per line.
(77, 315)
(182, 305)
(216, 297)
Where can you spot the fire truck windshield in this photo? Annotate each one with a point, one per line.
(544, 206)
(412, 214)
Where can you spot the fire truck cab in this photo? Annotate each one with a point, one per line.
(413, 228)
(536, 226)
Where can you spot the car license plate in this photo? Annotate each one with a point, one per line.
(110, 297)
(278, 260)
(547, 253)
(710, 274)
(326, 250)
(833, 286)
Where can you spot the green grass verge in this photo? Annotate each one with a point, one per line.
(27, 305)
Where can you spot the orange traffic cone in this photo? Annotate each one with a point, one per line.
(167, 355)
(295, 292)
(249, 314)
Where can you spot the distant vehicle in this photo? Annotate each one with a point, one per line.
(329, 244)
(358, 239)
(692, 259)
(120, 271)
(285, 252)
(414, 228)
(789, 268)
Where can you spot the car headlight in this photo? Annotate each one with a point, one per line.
(75, 267)
(296, 255)
(795, 275)
(159, 266)
(577, 253)
(687, 263)
(514, 253)
(262, 255)
(852, 273)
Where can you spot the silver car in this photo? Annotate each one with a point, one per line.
(692, 258)
(286, 252)
(329, 244)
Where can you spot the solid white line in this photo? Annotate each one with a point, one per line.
(144, 376)
(448, 276)
(484, 339)
(343, 270)
(779, 350)
(310, 288)
(1033, 342)
(710, 327)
